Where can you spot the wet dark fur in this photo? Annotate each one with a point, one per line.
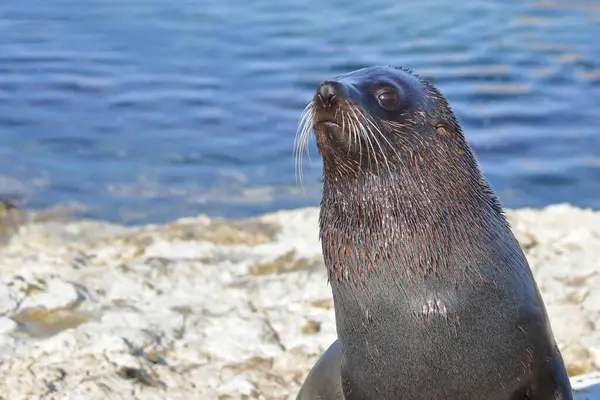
(433, 296)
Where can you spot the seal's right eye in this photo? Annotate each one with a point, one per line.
(388, 99)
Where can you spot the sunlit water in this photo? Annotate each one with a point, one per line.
(145, 111)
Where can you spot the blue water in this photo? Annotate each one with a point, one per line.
(148, 110)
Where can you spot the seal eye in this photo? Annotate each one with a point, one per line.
(388, 99)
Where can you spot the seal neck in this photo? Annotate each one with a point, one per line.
(406, 217)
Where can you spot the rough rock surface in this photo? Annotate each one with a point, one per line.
(224, 309)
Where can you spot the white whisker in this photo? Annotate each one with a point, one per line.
(366, 133)
(301, 140)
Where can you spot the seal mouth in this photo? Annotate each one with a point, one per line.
(326, 118)
(327, 124)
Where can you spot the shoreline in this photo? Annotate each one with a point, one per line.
(221, 308)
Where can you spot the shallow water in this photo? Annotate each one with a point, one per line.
(147, 111)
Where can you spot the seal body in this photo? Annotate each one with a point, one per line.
(433, 297)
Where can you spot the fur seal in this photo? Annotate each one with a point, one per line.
(433, 296)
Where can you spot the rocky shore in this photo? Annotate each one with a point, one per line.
(206, 308)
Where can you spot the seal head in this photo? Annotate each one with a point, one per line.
(368, 115)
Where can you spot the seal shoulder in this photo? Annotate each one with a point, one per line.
(324, 379)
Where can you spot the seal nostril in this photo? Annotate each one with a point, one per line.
(327, 93)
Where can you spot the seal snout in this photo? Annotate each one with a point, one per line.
(328, 93)
(327, 104)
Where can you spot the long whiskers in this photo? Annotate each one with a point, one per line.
(359, 126)
(301, 139)
(397, 158)
(372, 129)
(363, 133)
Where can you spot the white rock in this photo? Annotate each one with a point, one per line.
(233, 308)
(7, 325)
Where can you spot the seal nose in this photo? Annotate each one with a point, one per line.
(327, 92)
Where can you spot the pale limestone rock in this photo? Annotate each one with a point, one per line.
(207, 308)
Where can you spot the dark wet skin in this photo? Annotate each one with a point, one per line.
(433, 296)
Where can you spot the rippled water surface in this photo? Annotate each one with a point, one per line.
(145, 111)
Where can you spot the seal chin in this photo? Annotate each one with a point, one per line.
(328, 130)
